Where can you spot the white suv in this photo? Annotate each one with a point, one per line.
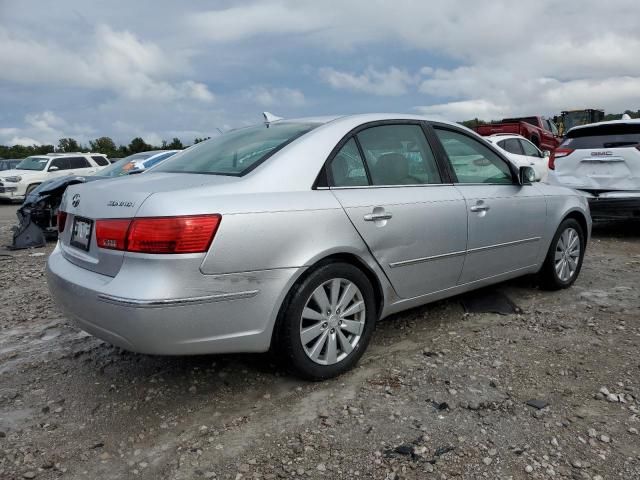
(521, 152)
(603, 161)
(29, 173)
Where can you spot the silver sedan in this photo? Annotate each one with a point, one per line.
(298, 235)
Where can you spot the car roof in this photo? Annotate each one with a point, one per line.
(632, 121)
(503, 136)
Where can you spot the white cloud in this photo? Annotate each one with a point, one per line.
(269, 97)
(393, 82)
(43, 128)
(464, 110)
(24, 141)
(111, 60)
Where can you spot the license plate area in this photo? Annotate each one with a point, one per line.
(81, 233)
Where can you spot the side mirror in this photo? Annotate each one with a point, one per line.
(53, 168)
(526, 175)
(546, 154)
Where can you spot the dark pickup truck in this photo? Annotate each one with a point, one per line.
(541, 131)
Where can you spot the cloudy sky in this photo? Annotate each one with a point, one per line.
(161, 69)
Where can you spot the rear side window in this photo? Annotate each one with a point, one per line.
(79, 162)
(603, 136)
(102, 161)
(60, 163)
(472, 161)
(511, 145)
(236, 152)
(347, 167)
(398, 155)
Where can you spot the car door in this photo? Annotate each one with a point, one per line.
(400, 200)
(505, 220)
(62, 167)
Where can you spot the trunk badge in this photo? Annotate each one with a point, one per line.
(75, 201)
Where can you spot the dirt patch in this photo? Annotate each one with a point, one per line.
(439, 394)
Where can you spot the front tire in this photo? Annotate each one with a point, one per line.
(327, 322)
(564, 258)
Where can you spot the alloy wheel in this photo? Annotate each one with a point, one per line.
(567, 254)
(332, 321)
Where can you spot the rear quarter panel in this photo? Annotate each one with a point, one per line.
(561, 202)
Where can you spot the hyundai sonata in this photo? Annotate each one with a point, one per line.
(298, 235)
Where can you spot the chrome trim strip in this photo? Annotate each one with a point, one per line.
(505, 244)
(425, 259)
(174, 302)
(413, 261)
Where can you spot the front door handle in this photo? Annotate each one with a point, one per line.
(372, 217)
(480, 206)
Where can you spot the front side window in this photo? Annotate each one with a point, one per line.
(236, 152)
(347, 167)
(530, 149)
(33, 163)
(398, 155)
(472, 161)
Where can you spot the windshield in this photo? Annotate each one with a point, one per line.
(237, 152)
(124, 166)
(604, 136)
(33, 163)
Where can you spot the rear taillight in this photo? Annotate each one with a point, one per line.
(558, 153)
(62, 219)
(187, 234)
(112, 234)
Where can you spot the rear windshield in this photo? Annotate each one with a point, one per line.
(237, 152)
(603, 136)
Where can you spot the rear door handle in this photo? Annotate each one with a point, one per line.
(372, 217)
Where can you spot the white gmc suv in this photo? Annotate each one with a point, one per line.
(29, 173)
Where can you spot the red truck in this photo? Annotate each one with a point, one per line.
(541, 131)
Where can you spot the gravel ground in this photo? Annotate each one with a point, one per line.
(439, 394)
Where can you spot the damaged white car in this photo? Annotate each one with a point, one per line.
(603, 161)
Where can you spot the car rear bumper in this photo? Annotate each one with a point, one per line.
(237, 315)
(611, 206)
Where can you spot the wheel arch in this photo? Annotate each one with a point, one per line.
(332, 257)
(580, 217)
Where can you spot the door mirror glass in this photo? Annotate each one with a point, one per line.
(527, 175)
(53, 168)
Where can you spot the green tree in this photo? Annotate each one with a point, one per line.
(198, 140)
(138, 145)
(175, 144)
(68, 145)
(104, 145)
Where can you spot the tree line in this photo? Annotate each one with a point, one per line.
(100, 145)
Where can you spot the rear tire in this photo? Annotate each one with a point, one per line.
(327, 322)
(564, 258)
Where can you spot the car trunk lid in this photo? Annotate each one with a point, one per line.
(113, 199)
